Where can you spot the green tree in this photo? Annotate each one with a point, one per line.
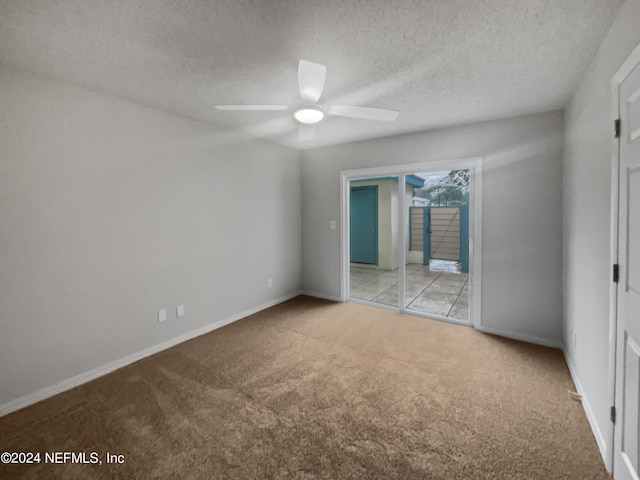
(451, 189)
(459, 178)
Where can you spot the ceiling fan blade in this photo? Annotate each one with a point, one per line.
(365, 113)
(311, 78)
(252, 107)
(306, 132)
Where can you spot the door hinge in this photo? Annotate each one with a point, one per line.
(616, 126)
(613, 414)
(616, 273)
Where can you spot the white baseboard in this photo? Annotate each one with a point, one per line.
(602, 444)
(321, 295)
(72, 382)
(545, 342)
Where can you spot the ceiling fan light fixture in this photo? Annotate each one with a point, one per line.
(309, 114)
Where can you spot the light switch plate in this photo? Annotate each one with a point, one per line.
(180, 311)
(332, 224)
(162, 315)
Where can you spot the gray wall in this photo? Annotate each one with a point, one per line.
(522, 229)
(587, 217)
(110, 211)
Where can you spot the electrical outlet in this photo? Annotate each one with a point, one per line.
(162, 315)
(270, 283)
(180, 311)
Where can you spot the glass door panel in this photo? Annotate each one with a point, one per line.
(437, 250)
(373, 244)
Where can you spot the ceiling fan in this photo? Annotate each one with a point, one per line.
(309, 111)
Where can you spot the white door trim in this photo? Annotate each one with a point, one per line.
(474, 164)
(622, 73)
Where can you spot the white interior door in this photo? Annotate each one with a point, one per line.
(627, 426)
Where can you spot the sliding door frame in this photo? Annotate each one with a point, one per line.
(474, 165)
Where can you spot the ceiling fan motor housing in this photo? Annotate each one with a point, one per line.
(309, 113)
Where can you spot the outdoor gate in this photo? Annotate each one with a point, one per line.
(442, 233)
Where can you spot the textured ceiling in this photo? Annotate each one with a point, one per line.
(439, 62)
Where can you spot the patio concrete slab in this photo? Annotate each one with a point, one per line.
(438, 292)
(362, 294)
(442, 287)
(460, 311)
(390, 297)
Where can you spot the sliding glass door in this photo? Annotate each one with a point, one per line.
(373, 227)
(437, 255)
(410, 238)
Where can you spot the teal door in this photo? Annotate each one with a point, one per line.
(364, 225)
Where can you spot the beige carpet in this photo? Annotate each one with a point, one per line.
(313, 389)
